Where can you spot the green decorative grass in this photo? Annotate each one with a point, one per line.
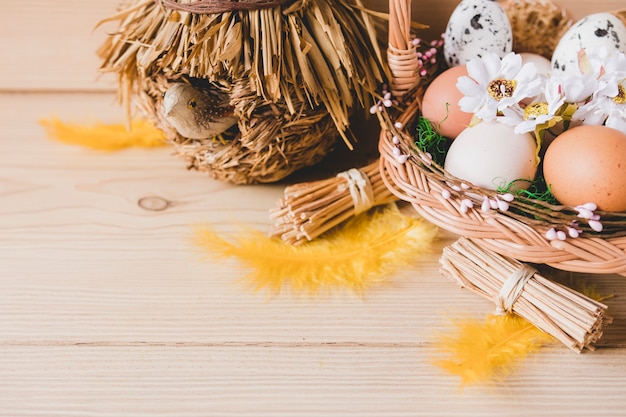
(429, 140)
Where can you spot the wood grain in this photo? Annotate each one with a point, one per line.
(134, 381)
(108, 309)
(51, 46)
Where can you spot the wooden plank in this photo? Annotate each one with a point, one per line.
(84, 262)
(51, 46)
(75, 208)
(288, 380)
(107, 309)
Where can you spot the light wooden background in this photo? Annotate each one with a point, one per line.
(106, 309)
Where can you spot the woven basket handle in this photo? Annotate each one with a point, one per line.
(401, 53)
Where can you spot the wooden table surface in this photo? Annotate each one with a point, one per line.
(106, 309)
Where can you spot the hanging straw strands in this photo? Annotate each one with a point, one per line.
(309, 209)
(327, 50)
(571, 317)
(295, 72)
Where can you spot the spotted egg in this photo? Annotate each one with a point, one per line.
(598, 30)
(476, 27)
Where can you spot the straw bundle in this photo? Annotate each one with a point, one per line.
(574, 319)
(310, 209)
(295, 72)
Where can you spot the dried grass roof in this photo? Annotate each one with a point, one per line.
(324, 51)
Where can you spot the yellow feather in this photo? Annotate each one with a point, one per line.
(361, 253)
(480, 352)
(105, 137)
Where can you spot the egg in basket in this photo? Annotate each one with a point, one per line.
(538, 168)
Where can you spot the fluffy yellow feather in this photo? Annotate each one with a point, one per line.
(105, 137)
(361, 253)
(486, 351)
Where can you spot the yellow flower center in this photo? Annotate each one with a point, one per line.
(620, 98)
(501, 88)
(532, 111)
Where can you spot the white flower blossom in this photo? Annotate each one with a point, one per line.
(607, 104)
(578, 88)
(494, 84)
(515, 94)
(610, 111)
(543, 109)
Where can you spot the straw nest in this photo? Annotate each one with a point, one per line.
(520, 227)
(295, 71)
(537, 25)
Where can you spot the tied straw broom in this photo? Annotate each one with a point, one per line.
(310, 209)
(573, 318)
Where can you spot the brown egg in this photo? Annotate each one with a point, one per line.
(588, 164)
(440, 104)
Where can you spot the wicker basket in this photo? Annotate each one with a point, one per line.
(521, 229)
(293, 84)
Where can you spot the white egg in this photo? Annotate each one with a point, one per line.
(591, 32)
(542, 63)
(476, 27)
(491, 155)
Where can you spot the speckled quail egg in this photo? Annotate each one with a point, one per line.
(476, 27)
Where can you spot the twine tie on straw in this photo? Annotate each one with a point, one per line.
(311, 208)
(360, 189)
(571, 317)
(512, 289)
(219, 6)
